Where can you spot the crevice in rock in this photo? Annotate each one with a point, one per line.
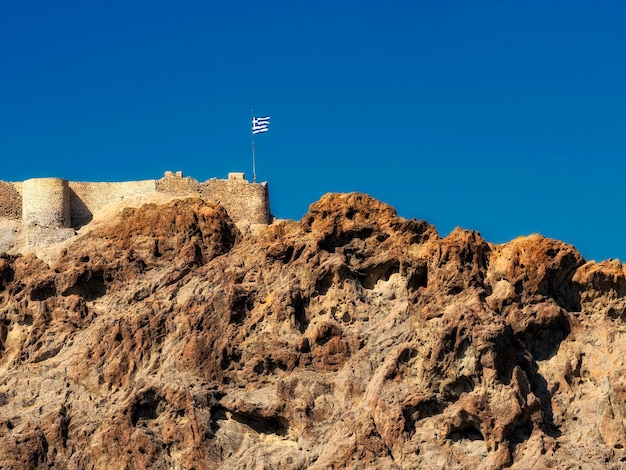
(64, 424)
(242, 304)
(263, 425)
(47, 354)
(414, 412)
(300, 306)
(470, 432)
(147, 406)
(7, 273)
(325, 332)
(417, 278)
(407, 354)
(218, 413)
(563, 289)
(461, 385)
(508, 351)
(268, 366)
(332, 241)
(324, 282)
(90, 285)
(519, 432)
(285, 254)
(543, 341)
(614, 314)
(4, 333)
(540, 389)
(43, 291)
(369, 276)
(229, 357)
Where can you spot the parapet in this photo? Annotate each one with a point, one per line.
(236, 176)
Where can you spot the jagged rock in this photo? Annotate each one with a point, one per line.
(354, 338)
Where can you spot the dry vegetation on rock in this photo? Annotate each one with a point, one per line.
(351, 339)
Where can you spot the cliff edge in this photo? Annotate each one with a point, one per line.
(165, 338)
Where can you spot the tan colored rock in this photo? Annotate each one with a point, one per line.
(165, 338)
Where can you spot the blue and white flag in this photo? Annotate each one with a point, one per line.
(260, 124)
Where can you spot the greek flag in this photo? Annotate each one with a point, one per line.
(260, 124)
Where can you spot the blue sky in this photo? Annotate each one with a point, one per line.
(504, 117)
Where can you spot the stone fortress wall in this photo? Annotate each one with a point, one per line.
(88, 198)
(244, 202)
(50, 209)
(46, 203)
(46, 210)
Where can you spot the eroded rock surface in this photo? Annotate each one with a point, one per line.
(351, 339)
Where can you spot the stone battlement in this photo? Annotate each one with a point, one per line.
(51, 209)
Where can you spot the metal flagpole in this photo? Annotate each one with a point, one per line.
(253, 159)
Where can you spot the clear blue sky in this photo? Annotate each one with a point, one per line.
(504, 117)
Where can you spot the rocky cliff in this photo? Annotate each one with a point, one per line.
(354, 338)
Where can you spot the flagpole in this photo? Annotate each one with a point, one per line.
(253, 159)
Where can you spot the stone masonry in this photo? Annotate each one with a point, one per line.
(50, 209)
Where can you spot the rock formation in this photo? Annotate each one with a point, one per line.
(165, 338)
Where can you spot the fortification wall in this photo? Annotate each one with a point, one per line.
(46, 203)
(46, 210)
(51, 208)
(88, 198)
(244, 201)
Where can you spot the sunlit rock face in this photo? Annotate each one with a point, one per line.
(166, 338)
